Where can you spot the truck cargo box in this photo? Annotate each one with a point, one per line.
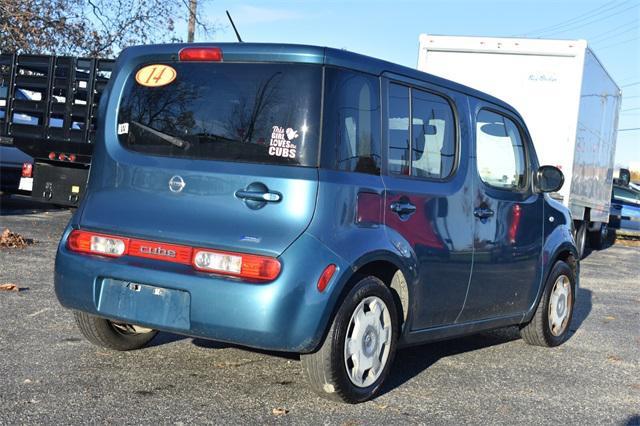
(566, 97)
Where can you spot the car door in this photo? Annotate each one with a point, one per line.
(625, 209)
(508, 216)
(428, 195)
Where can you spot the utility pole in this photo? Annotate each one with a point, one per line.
(193, 5)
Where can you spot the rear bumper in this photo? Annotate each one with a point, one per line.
(10, 178)
(288, 314)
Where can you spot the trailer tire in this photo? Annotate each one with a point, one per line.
(598, 239)
(581, 238)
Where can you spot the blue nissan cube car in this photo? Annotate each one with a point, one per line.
(311, 200)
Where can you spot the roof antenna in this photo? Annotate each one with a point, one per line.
(234, 27)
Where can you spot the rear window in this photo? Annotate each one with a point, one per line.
(262, 113)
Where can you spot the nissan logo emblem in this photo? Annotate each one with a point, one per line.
(176, 184)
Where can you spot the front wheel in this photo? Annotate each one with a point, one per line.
(550, 323)
(357, 352)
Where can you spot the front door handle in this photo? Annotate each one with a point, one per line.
(483, 212)
(403, 208)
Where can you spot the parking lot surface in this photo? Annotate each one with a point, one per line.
(49, 374)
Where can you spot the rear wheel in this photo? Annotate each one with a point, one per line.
(356, 355)
(598, 239)
(550, 324)
(112, 335)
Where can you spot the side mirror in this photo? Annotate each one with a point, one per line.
(548, 179)
(625, 177)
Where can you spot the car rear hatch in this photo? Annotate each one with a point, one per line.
(212, 153)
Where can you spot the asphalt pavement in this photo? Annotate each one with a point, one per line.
(49, 374)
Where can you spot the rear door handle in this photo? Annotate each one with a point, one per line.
(269, 197)
(403, 208)
(483, 213)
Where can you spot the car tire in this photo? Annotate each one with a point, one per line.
(598, 239)
(550, 324)
(107, 334)
(344, 368)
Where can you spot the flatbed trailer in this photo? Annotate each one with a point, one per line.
(54, 119)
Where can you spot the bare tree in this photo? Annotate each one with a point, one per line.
(90, 27)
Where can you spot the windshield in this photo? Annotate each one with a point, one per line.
(264, 113)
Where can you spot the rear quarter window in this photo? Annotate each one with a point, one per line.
(352, 121)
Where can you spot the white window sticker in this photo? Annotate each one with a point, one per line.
(281, 144)
(123, 128)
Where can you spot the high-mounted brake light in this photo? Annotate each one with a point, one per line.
(27, 170)
(241, 265)
(93, 243)
(201, 54)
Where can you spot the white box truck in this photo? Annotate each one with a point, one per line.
(568, 100)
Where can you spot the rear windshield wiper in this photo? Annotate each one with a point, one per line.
(165, 137)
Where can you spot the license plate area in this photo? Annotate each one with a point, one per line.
(145, 304)
(26, 184)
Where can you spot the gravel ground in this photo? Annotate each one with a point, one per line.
(49, 374)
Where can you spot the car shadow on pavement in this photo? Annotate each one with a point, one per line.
(412, 361)
(633, 421)
(163, 338)
(12, 205)
(212, 344)
(582, 308)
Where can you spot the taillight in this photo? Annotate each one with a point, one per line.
(61, 156)
(248, 266)
(27, 170)
(92, 243)
(242, 265)
(325, 277)
(52, 156)
(201, 54)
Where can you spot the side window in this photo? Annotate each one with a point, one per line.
(499, 151)
(398, 129)
(626, 193)
(433, 147)
(427, 149)
(352, 120)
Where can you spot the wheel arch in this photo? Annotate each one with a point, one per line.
(395, 272)
(567, 253)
